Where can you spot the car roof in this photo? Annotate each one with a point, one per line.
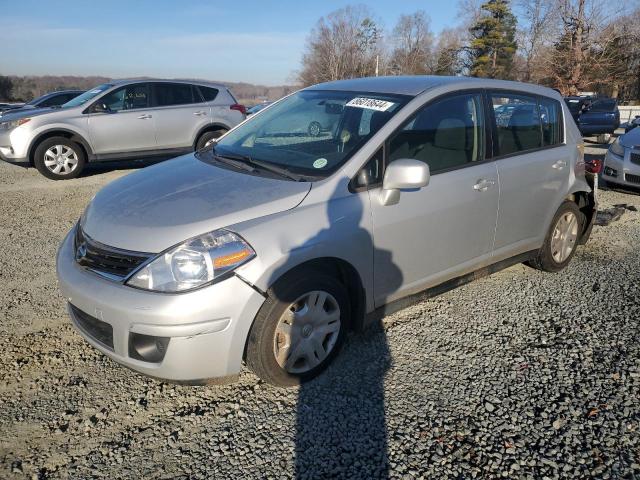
(204, 83)
(417, 84)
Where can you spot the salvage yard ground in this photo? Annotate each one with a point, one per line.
(519, 375)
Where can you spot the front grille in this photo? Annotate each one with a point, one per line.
(632, 178)
(98, 330)
(107, 261)
(635, 157)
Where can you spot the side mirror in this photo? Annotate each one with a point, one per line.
(403, 174)
(101, 108)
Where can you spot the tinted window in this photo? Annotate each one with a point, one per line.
(52, 101)
(173, 94)
(445, 134)
(603, 106)
(518, 123)
(209, 94)
(550, 119)
(127, 98)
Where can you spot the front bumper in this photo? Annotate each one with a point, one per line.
(621, 170)
(207, 328)
(14, 145)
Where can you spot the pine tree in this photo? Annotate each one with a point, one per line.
(494, 46)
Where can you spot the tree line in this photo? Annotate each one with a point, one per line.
(570, 45)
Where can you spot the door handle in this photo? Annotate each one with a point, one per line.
(559, 165)
(483, 185)
(200, 113)
(145, 116)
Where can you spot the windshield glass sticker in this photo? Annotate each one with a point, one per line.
(370, 103)
(319, 163)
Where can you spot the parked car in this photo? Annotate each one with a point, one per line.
(601, 116)
(50, 100)
(267, 249)
(119, 120)
(577, 104)
(622, 160)
(256, 108)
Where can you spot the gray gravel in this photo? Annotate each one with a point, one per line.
(518, 375)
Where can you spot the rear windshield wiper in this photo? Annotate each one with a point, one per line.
(265, 165)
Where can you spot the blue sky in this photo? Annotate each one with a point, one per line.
(242, 40)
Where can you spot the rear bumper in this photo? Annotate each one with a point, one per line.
(207, 328)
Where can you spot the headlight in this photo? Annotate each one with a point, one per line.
(194, 263)
(10, 125)
(616, 148)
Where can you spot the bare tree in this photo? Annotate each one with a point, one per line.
(345, 44)
(538, 26)
(447, 52)
(413, 44)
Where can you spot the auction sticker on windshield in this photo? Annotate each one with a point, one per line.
(370, 103)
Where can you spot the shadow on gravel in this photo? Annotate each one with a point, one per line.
(98, 168)
(340, 419)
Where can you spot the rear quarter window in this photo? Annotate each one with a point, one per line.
(208, 93)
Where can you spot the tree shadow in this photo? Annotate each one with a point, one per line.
(340, 417)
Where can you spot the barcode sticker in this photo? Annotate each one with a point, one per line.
(371, 104)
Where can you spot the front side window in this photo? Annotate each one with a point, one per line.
(127, 98)
(312, 132)
(173, 94)
(550, 119)
(517, 123)
(445, 134)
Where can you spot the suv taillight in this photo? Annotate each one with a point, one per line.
(241, 108)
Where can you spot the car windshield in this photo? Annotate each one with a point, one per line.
(312, 132)
(88, 95)
(36, 100)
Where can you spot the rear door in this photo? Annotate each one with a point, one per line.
(180, 112)
(128, 125)
(447, 228)
(533, 165)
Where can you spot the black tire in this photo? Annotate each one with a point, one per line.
(544, 259)
(208, 136)
(45, 145)
(260, 355)
(314, 129)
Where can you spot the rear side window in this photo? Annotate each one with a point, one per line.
(167, 94)
(517, 123)
(603, 106)
(550, 120)
(209, 94)
(445, 134)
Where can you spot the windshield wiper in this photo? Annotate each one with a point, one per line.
(237, 164)
(283, 172)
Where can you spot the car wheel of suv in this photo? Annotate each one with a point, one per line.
(562, 239)
(58, 158)
(314, 129)
(207, 138)
(299, 329)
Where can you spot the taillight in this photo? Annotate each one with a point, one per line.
(593, 165)
(240, 108)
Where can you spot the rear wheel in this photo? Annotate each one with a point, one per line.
(208, 138)
(562, 239)
(58, 158)
(299, 329)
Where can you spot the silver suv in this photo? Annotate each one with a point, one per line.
(120, 120)
(269, 246)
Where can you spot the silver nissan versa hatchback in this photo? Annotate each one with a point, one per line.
(270, 245)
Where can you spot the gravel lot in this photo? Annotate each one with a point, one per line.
(518, 375)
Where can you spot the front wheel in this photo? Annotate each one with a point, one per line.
(299, 329)
(58, 158)
(561, 240)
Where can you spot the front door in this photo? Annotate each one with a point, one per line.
(447, 228)
(128, 124)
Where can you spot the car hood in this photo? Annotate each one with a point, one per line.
(631, 138)
(160, 206)
(24, 112)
